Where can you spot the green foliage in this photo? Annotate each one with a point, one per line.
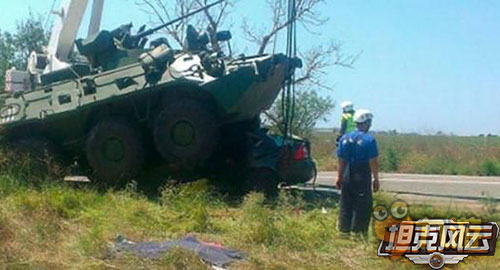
(490, 168)
(92, 242)
(29, 36)
(50, 225)
(391, 163)
(2, 220)
(191, 203)
(26, 167)
(179, 259)
(16, 47)
(54, 226)
(7, 55)
(258, 220)
(310, 108)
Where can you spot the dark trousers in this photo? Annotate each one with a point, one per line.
(356, 200)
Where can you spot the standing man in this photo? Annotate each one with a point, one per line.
(357, 156)
(347, 122)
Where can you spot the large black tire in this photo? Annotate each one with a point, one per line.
(44, 157)
(186, 133)
(115, 151)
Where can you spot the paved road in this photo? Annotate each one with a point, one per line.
(434, 185)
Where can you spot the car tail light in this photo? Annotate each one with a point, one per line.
(301, 153)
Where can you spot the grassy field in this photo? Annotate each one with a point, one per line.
(51, 225)
(48, 224)
(423, 154)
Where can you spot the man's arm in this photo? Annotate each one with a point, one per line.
(340, 176)
(374, 169)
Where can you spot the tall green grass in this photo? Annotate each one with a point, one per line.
(48, 224)
(423, 154)
(52, 225)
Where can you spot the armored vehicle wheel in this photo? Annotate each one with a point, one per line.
(115, 151)
(45, 157)
(262, 180)
(186, 133)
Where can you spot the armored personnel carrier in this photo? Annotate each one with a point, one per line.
(127, 95)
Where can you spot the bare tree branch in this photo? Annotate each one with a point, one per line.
(162, 11)
(306, 14)
(214, 21)
(318, 59)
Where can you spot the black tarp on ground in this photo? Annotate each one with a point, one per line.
(215, 255)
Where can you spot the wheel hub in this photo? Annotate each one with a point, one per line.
(113, 149)
(183, 133)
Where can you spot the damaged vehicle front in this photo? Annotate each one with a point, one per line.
(275, 160)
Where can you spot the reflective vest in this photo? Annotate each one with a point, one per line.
(348, 118)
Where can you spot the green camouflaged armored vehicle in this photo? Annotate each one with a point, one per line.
(124, 102)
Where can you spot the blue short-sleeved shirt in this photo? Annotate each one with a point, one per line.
(357, 147)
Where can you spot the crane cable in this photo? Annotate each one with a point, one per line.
(288, 93)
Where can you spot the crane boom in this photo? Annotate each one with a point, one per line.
(65, 30)
(95, 20)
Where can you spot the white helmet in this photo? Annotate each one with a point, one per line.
(347, 106)
(362, 115)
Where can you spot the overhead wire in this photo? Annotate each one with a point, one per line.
(288, 94)
(294, 56)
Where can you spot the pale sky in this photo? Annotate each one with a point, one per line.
(426, 65)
